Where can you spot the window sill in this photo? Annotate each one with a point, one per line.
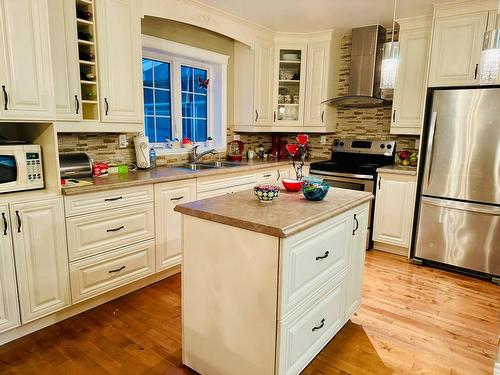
(185, 151)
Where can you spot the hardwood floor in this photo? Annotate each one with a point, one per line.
(414, 320)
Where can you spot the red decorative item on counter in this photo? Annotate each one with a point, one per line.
(292, 185)
(236, 153)
(302, 139)
(100, 169)
(292, 149)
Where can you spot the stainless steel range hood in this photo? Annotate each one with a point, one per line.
(364, 76)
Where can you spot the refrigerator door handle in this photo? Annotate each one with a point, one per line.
(463, 206)
(430, 149)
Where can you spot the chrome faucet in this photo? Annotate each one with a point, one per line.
(197, 157)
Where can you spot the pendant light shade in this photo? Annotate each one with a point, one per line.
(489, 73)
(390, 59)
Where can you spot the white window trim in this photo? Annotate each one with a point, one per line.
(215, 63)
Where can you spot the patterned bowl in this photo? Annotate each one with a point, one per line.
(266, 193)
(315, 191)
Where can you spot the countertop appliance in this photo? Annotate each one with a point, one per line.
(21, 167)
(353, 165)
(75, 165)
(459, 203)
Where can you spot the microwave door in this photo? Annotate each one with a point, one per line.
(12, 170)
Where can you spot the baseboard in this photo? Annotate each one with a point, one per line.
(80, 307)
(393, 249)
(496, 370)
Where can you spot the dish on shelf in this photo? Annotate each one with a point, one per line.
(286, 75)
(290, 57)
(266, 193)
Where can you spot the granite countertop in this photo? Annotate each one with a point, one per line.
(163, 174)
(290, 213)
(398, 169)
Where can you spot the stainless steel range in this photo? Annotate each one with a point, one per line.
(353, 165)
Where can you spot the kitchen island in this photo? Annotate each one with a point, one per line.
(265, 286)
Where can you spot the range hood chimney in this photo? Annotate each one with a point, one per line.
(364, 76)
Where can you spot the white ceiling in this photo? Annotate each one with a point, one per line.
(316, 15)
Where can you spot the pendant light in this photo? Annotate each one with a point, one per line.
(390, 59)
(489, 73)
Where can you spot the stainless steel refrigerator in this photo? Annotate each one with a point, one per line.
(459, 202)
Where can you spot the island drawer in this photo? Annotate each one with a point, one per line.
(105, 200)
(103, 231)
(311, 258)
(99, 274)
(303, 334)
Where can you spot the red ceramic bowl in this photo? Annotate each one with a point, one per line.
(292, 185)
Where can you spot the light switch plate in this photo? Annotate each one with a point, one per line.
(322, 139)
(236, 137)
(122, 141)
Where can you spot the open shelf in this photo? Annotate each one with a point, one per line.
(289, 61)
(85, 62)
(80, 21)
(289, 80)
(86, 42)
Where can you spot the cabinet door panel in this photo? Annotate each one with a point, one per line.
(25, 64)
(456, 49)
(9, 306)
(119, 44)
(41, 257)
(316, 85)
(168, 222)
(263, 81)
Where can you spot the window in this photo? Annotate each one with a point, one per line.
(184, 93)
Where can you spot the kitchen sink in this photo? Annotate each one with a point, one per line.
(215, 164)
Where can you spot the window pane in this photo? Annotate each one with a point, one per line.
(200, 76)
(147, 72)
(162, 75)
(149, 122)
(200, 106)
(201, 130)
(186, 78)
(163, 129)
(162, 103)
(148, 102)
(187, 128)
(187, 105)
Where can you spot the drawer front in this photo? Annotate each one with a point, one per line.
(270, 177)
(311, 258)
(301, 337)
(96, 202)
(225, 183)
(219, 192)
(103, 231)
(102, 273)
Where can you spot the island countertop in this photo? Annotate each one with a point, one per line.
(290, 213)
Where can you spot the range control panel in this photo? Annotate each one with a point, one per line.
(386, 148)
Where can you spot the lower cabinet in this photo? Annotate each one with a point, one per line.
(41, 257)
(169, 223)
(394, 205)
(9, 307)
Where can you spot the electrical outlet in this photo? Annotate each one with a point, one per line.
(236, 137)
(122, 141)
(322, 139)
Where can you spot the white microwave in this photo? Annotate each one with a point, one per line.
(20, 168)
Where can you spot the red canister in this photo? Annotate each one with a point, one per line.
(100, 169)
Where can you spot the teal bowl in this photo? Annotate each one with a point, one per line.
(315, 191)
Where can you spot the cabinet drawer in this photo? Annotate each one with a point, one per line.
(101, 201)
(302, 336)
(102, 231)
(311, 258)
(102, 273)
(226, 183)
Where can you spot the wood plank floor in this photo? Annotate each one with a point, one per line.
(414, 320)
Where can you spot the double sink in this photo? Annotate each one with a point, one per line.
(210, 165)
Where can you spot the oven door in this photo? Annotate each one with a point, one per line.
(12, 170)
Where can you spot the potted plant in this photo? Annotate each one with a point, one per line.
(210, 142)
(298, 153)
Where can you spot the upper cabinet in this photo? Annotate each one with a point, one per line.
(289, 78)
(27, 92)
(119, 47)
(410, 89)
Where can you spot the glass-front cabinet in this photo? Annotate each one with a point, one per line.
(289, 100)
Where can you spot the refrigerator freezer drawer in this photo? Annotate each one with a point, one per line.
(460, 234)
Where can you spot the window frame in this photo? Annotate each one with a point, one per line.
(216, 66)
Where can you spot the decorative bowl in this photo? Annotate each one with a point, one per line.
(311, 179)
(266, 193)
(315, 191)
(292, 185)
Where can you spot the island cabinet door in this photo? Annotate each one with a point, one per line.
(168, 222)
(357, 259)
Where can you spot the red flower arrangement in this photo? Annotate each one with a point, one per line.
(298, 151)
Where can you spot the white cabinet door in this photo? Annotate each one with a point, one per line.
(9, 306)
(456, 49)
(263, 82)
(168, 222)
(64, 48)
(27, 92)
(357, 259)
(394, 203)
(410, 89)
(41, 257)
(119, 47)
(316, 83)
